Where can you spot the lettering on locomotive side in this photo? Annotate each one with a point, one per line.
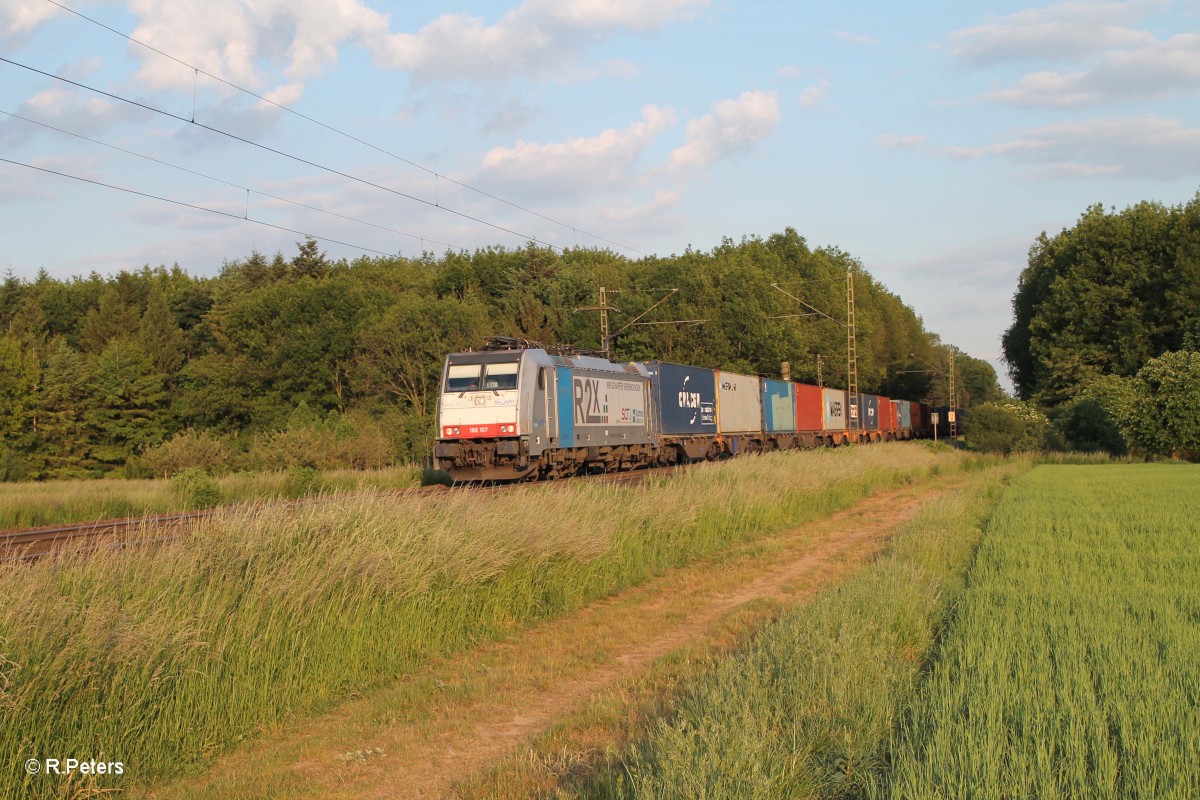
(590, 407)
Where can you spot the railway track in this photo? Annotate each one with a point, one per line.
(33, 543)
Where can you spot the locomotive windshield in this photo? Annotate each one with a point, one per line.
(463, 377)
(485, 377)
(501, 376)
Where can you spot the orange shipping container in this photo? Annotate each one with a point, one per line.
(810, 412)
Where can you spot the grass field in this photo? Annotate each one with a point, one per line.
(806, 710)
(1072, 668)
(163, 657)
(25, 505)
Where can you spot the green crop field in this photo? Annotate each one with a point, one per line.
(1066, 665)
(1072, 667)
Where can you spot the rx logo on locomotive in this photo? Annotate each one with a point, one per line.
(589, 409)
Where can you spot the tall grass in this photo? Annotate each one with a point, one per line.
(163, 656)
(1072, 668)
(806, 709)
(30, 504)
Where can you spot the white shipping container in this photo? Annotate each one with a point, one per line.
(739, 406)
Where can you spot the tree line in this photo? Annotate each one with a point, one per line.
(1105, 340)
(277, 361)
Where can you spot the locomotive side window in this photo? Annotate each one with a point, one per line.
(501, 376)
(463, 377)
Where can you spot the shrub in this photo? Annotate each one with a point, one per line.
(303, 481)
(352, 440)
(191, 449)
(196, 488)
(1008, 427)
(1165, 418)
(1087, 426)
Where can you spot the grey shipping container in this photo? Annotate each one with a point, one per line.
(905, 414)
(834, 401)
(739, 403)
(685, 398)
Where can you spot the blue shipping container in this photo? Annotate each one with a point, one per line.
(686, 398)
(779, 405)
(905, 414)
(868, 412)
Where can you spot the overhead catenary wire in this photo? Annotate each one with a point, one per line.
(437, 175)
(249, 190)
(193, 206)
(296, 158)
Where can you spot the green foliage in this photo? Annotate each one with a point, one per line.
(1008, 427)
(124, 403)
(1165, 417)
(1104, 297)
(196, 489)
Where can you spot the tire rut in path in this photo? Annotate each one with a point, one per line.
(481, 704)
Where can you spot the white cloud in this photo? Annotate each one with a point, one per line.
(1142, 147)
(70, 109)
(286, 94)
(234, 40)
(734, 127)
(1059, 31)
(538, 38)
(856, 38)
(791, 72)
(1152, 70)
(815, 94)
(20, 18)
(509, 114)
(577, 165)
(893, 141)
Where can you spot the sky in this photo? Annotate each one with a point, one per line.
(933, 141)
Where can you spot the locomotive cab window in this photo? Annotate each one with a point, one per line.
(501, 376)
(463, 377)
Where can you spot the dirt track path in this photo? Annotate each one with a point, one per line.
(460, 715)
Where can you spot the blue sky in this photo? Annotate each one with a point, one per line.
(933, 141)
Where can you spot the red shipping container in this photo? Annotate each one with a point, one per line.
(810, 409)
(887, 419)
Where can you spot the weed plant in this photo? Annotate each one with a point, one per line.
(164, 656)
(1072, 668)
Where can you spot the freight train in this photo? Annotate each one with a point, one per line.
(519, 412)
